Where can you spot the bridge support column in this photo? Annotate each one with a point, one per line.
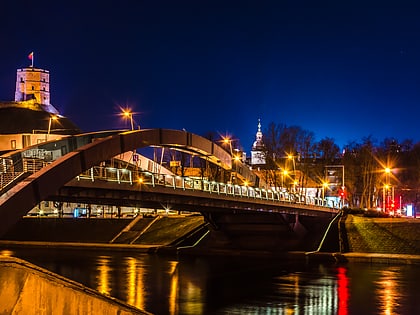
(272, 232)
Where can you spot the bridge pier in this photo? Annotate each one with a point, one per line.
(263, 231)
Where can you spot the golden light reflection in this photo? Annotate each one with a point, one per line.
(290, 285)
(173, 292)
(136, 288)
(387, 290)
(7, 253)
(194, 295)
(296, 288)
(104, 276)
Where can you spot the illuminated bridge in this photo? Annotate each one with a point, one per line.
(241, 217)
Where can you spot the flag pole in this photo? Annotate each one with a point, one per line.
(31, 57)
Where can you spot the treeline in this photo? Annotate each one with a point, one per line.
(364, 163)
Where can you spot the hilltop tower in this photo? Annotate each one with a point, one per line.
(258, 148)
(31, 118)
(33, 84)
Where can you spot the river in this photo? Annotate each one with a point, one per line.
(236, 285)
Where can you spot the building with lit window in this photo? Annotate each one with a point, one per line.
(31, 119)
(258, 153)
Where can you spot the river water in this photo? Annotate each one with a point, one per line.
(222, 285)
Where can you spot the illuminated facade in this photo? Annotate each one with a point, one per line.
(30, 118)
(34, 84)
(258, 149)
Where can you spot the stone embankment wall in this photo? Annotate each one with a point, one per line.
(382, 235)
(359, 234)
(28, 289)
(161, 230)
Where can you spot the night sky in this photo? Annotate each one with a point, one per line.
(337, 68)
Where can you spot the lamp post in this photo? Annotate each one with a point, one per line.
(49, 125)
(387, 186)
(324, 186)
(229, 142)
(129, 114)
(385, 196)
(284, 174)
(292, 158)
(236, 159)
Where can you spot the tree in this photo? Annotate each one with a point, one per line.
(327, 151)
(361, 170)
(285, 148)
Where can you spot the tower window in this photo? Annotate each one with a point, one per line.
(33, 88)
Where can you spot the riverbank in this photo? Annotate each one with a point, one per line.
(365, 239)
(29, 289)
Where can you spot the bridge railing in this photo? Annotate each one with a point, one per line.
(110, 174)
(13, 171)
(187, 183)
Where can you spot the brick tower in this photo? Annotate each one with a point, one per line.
(33, 83)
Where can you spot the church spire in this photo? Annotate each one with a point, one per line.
(258, 143)
(258, 148)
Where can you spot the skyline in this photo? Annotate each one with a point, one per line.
(343, 72)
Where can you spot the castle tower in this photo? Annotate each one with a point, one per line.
(258, 148)
(33, 83)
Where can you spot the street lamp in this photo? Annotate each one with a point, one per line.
(387, 186)
(385, 196)
(229, 142)
(236, 159)
(292, 158)
(284, 174)
(49, 125)
(129, 114)
(324, 186)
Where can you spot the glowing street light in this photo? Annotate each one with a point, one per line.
(49, 125)
(284, 175)
(129, 114)
(386, 187)
(226, 140)
(324, 186)
(292, 158)
(236, 160)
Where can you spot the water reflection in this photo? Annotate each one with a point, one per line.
(313, 292)
(342, 291)
(135, 282)
(387, 291)
(104, 274)
(168, 285)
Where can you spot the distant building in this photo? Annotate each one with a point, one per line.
(34, 84)
(258, 149)
(30, 118)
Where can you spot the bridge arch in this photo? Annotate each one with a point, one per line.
(26, 194)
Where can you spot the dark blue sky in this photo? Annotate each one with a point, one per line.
(336, 68)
